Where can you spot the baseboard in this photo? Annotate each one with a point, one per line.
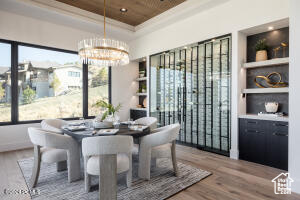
(234, 154)
(15, 146)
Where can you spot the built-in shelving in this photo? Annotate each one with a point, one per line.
(253, 116)
(141, 94)
(272, 62)
(265, 90)
(141, 79)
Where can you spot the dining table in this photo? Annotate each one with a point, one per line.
(108, 182)
(123, 129)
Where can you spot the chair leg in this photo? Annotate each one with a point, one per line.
(87, 177)
(36, 166)
(87, 182)
(154, 162)
(61, 166)
(174, 161)
(129, 178)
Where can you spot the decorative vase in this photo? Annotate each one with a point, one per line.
(261, 55)
(271, 107)
(103, 124)
(145, 102)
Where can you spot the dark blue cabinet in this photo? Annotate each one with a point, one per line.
(136, 114)
(264, 142)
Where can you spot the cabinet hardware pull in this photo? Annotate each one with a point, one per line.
(251, 131)
(251, 122)
(275, 124)
(280, 134)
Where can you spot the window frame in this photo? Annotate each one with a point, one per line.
(14, 82)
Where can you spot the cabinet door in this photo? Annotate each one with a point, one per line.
(136, 114)
(277, 146)
(252, 140)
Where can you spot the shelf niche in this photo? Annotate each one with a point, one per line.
(255, 96)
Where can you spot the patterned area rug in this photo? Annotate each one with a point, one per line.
(53, 185)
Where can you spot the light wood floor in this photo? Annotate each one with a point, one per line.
(231, 179)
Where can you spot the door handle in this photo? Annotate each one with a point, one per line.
(251, 122)
(252, 131)
(277, 124)
(280, 134)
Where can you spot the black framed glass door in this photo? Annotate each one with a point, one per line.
(191, 86)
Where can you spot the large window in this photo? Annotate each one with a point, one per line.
(5, 82)
(98, 88)
(47, 83)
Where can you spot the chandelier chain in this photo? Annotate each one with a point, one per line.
(104, 14)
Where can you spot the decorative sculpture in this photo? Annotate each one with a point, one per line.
(269, 82)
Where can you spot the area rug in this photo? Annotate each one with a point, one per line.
(53, 185)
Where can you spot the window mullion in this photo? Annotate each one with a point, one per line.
(85, 88)
(14, 83)
(109, 85)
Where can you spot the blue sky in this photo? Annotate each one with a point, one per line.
(29, 53)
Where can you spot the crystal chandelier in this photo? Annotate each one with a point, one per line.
(104, 51)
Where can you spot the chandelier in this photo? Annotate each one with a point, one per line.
(104, 51)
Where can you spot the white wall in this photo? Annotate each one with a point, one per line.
(35, 31)
(294, 96)
(239, 46)
(124, 87)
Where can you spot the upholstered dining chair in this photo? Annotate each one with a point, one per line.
(50, 147)
(147, 121)
(160, 144)
(117, 149)
(53, 125)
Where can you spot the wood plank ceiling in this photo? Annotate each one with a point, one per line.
(138, 11)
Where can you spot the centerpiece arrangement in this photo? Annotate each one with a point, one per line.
(108, 115)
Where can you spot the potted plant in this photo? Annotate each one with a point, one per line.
(139, 90)
(261, 50)
(108, 116)
(144, 89)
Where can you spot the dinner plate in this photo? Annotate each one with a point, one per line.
(76, 128)
(108, 131)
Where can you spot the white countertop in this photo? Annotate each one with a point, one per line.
(145, 109)
(253, 116)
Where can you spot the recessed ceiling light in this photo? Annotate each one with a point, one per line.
(123, 9)
(185, 47)
(270, 28)
(213, 40)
